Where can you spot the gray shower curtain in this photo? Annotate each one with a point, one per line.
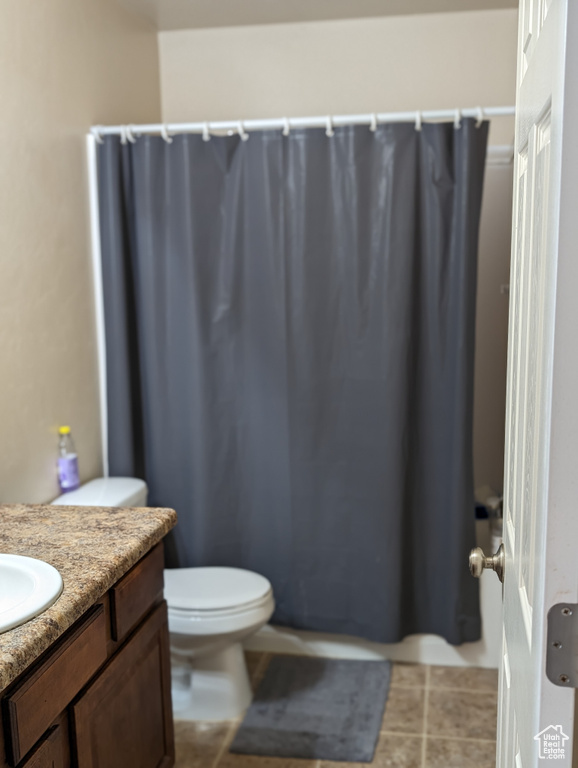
(290, 343)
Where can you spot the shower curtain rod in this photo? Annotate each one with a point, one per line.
(128, 132)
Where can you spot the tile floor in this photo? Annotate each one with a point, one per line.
(436, 717)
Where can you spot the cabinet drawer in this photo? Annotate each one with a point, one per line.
(135, 594)
(34, 705)
(49, 753)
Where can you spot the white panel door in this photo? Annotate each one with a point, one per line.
(541, 465)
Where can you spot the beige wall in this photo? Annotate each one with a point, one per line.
(365, 65)
(492, 327)
(64, 65)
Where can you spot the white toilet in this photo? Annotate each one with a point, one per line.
(211, 611)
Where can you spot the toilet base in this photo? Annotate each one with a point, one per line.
(211, 687)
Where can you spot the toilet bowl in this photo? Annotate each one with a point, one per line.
(211, 611)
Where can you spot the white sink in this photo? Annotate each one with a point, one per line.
(27, 588)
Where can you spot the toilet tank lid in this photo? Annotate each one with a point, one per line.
(106, 492)
(213, 588)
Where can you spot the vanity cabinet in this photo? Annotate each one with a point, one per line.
(100, 696)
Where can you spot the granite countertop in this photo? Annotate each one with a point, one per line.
(92, 547)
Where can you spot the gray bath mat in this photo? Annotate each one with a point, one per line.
(317, 709)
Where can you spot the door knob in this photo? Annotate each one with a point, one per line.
(478, 561)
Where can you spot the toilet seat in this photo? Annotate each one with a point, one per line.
(216, 601)
(213, 589)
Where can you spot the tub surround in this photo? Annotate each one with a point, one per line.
(92, 547)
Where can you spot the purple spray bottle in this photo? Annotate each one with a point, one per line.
(67, 462)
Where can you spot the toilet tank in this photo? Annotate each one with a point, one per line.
(107, 492)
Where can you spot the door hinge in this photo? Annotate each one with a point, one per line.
(562, 650)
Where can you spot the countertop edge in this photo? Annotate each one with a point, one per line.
(34, 637)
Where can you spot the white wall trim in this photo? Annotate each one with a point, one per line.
(98, 294)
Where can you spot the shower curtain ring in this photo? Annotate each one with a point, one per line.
(241, 131)
(97, 135)
(373, 123)
(165, 134)
(123, 134)
(206, 134)
(457, 118)
(129, 134)
(480, 118)
(286, 126)
(329, 130)
(418, 121)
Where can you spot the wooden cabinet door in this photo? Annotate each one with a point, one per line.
(52, 752)
(124, 718)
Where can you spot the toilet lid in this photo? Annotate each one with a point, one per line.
(209, 589)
